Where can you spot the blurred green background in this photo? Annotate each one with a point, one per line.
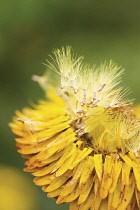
(29, 31)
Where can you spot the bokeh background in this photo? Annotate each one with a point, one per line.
(29, 31)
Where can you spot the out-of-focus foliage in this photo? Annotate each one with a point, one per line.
(30, 29)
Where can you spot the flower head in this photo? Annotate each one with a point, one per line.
(83, 143)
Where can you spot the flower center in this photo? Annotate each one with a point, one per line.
(113, 131)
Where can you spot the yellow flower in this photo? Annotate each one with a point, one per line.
(14, 194)
(83, 143)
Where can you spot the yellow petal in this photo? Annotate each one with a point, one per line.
(96, 201)
(128, 160)
(31, 169)
(86, 190)
(54, 193)
(110, 198)
(107, 179)
(67, 163)
(17, 132)
(59, 181)
(46, 161)
(44, 180)
(82, 154)
(60, 144)
(45, 170)
(98, 163)
(136, 170)
(67, 190)
(71, 197)
(127, 194)
(115, 197)
(132, 203)
(89, 201)
(88, 169)
(116, 169)
(77, 172)
(65, 157)
(125, 173)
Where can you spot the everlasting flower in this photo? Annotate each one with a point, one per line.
(83, 143)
